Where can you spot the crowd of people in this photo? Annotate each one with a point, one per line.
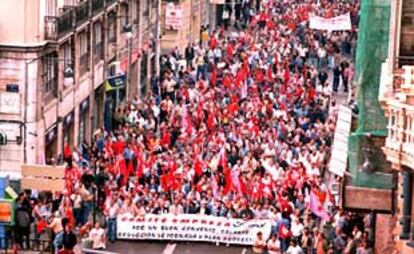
(238, 125)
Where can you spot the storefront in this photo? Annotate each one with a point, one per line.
(83, 120)
(68, 129)
(51, 145)
(98, 108)
(115, 94)
(144, 72)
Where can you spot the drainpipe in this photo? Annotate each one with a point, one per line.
(26, 101)
(26, 104)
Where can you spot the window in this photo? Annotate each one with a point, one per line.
(68, 56)
(407, 32)
(84, 53)
(125, 16)
(112, 28)
(50, 74)
(145, 7)
(98, 49)
(134, 11)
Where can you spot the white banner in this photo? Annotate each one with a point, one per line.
(174, 15)
(338, 23)
(217, 1)
(192, 227)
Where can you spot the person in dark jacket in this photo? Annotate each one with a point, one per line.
(23, 220)
(189, 55)
(69, 240)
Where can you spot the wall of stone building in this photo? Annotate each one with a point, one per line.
(384, 239)
(401, 245)
(14, 106)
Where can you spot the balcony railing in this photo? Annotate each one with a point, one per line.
(400, 138)
(56, 27)
(51, 28)
(405, 60)
(73, 16)
(83, 12)
(109, 2)
(97, 6)
(65, 24)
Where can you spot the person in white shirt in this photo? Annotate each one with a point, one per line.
(296, 228)
(273, 245)
(294, 248)
(98, 237)
(111, 211)
(259, 244)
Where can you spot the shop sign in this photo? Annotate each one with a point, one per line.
(116, 82)
(174, 15)
(6, 211)
(51, 135)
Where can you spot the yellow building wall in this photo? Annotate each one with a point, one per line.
(190, 31)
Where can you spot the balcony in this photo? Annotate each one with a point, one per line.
(56, 27)
(83, 12)
(71, 17)
(97, 6)
(109, 2)
(65, 24)
(399, 145)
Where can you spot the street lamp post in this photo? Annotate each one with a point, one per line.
(129, 35)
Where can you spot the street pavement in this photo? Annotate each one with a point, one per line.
(137, 247)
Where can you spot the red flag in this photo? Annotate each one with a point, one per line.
(210, 121)
(269, 74)
(165, 140)
(213, 78)
(316, 204)
(227, 81)
(200, 111)
(164, 180)
(284, 232)
(228, 182)
(198, 167)
(140, 168)
(286, 76)
(223, 159)
(124, 171)
(243, 186)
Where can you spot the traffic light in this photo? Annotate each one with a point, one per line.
(3, 139)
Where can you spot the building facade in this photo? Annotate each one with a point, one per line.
(397, 99)
(182, 21)
(56, 57)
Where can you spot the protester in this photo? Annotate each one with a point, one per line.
(23, 220)
(273, 245)
(98, 237)
(259, 244)
(57, 226)
(294, 248)
(68, 241)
